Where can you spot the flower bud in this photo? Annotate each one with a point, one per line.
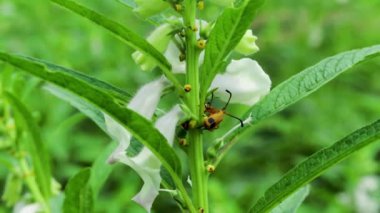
(147, 8)
(247, 45)
(187, 88)
(159, 39)
(201, 5)
(201, 43)
(224, 3)
(210, 168)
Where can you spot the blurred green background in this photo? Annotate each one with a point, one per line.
(292, 36)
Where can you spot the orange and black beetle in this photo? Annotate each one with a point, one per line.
(215, 116)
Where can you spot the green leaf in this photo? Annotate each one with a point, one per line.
(100, 169)
(116, 92)
(37, 150)
(12, 190)
(315, 165)
(293, 202)
(309, 80)
(86, 108)
(129, 37)
(294, 89)
(78, 193)
(137, 125)
(226, 34)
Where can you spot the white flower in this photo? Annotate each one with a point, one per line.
(144, 163)
(22, 207)
(245, 79)
(178, 67)
(365, 202)
(247, 44)
(159, 39)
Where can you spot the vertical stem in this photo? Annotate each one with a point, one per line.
(198, 170)
(33, 187)
(196, 161)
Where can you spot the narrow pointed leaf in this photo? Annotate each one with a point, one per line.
(297, 87)
(293, 202)
(78, 193)
(37, 149)
(126, 35)
(116, 92)
(226, 34)
(137, 125)
(315, 165)
(100, 169)
(129, 37)
(86, 108)
(309, 80)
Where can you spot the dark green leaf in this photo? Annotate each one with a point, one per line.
(293, 202)
(37, 150)
(137, 125)
(78, 193)
(226, 34)
(112, 90)
(315, 165)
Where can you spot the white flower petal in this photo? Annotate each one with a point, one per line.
(22, 207)
(365, 199)
(159, 39)
(172, 54)
(150, 164)
(147, 97)
(145, 163)
(246, 80)
(144, 102)
(167, 123)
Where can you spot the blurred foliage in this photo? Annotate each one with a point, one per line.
(292, 36)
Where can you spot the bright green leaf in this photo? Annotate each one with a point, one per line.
(12, 189)
(315, 165)
(294, 89)
(226, 34)
(37, 150)
(308, 81)
(78, 194)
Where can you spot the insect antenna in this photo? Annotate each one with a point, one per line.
(241, 121)
(228, 99)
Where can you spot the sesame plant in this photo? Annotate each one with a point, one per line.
(201, 60)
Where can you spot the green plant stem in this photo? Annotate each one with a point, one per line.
(32, 185)
(196, 159)
(197, 170)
